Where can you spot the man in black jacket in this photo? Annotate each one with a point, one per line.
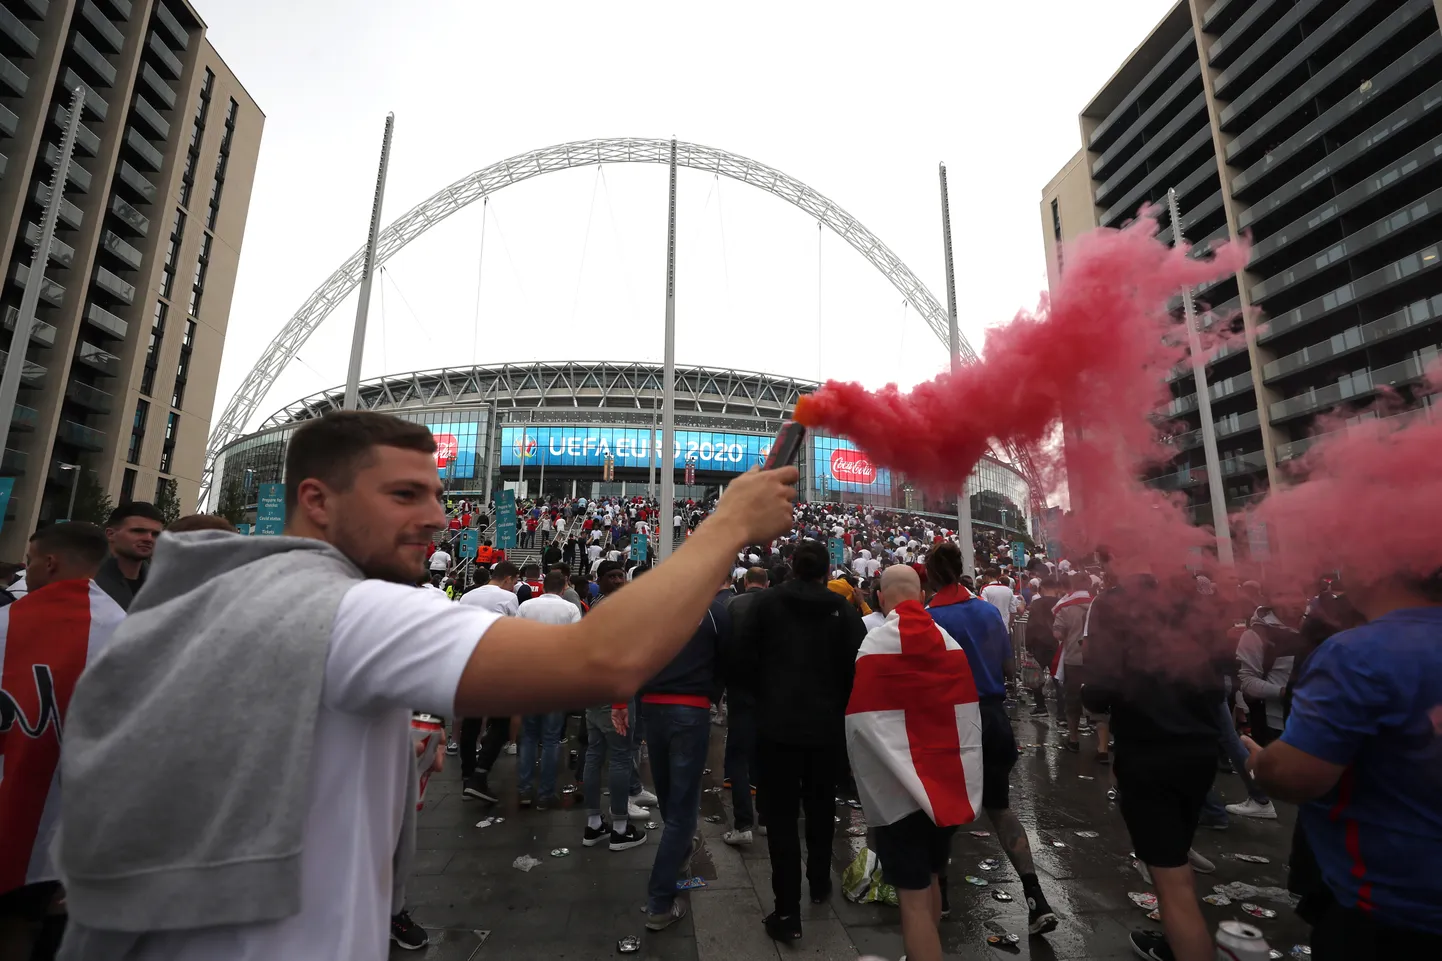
(741, 716)
(796, 654)
(131, 531)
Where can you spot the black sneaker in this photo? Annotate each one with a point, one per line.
(547, 802)
(1151, 945)
(594, 836)
(1040, 918)
(1072, 746)
(783, 928)
(633, 838)
(452, 748)
(820, 892)
(476, 787)
(945, 902)
(1039, 711)
(406, 933)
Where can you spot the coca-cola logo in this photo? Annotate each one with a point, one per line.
(446, 447)
(852, 467)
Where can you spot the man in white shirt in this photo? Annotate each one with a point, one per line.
(365, 484)
(440, 562)
(499, 594)
(999, 595)
(544, 731)
(480, 745)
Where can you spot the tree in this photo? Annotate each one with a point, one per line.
(167, 501)
(92, 503)
(232, 501)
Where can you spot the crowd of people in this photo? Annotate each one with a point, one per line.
(289, 830)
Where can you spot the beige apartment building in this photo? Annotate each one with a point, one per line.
(1315, 127)
(120, 373)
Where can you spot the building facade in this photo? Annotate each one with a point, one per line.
(1315, 128)
(121, 368)
(579, 428)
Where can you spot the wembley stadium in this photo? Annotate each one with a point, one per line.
(579, 428)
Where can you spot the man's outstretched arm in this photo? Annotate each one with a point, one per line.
(524, 667)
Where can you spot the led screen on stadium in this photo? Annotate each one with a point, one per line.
(631, 447)
(456, 446)
(845, 469)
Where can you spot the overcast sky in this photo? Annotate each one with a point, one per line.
(860, 101)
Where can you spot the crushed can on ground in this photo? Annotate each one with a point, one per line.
(524, 863)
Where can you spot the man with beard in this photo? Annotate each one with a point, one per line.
(131, 532)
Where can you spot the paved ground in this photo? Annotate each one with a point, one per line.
(477, 906)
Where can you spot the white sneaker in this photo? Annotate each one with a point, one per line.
(635, 811)
(644, 799)
(737, 838)
(511, 748)
(1251, 809)
(1142, 870)
(1200, 864)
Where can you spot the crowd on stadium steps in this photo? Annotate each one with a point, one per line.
(289, 697)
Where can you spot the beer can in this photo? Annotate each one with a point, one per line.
(1237, 941)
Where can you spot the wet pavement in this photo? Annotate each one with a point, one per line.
(476, 905)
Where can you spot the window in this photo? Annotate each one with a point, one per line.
(168, 450)
(220, 164)
(152, 350)
(172, 254)
(137, 430)
(197, 285)
(192, 156)
(127, 486)
(182, 371)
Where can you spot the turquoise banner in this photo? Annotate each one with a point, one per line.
(270, 509)
(506, 520)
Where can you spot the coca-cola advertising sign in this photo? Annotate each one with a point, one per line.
(852, 467)
(446, 447)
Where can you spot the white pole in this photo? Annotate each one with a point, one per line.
(668, 379)
(491, 434)
(358, 338)
(1204, 404)
(963, 502)
(35, 279)
(651, 479)
(521, 470)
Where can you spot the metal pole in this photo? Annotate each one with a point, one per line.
(74, 489)
(651, 479)
(521, 460)
(1204, 404)
(35, 279)
(358, 338)
(963, 502)
(668, 379)
(491, 428)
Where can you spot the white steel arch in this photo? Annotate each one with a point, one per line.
(581, 153)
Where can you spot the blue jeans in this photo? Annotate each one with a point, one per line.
(678, 737)
(601, 737)
(543, 730)
(1212, 808)
(637, 734)
(740, 756)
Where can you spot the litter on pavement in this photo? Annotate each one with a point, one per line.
(1154, 915)
(1257, 911)
(1301, 951)
(628, 945)
(689, 884)
(1143, 899)
(1001, 896)
(652, 825)
(560, 852)
(980, 834)
(1275, 955)
(1240, 891)
(979, 882)
(524, 863)
(1006, 942)
(1220, 900)
(1086, 777)
(1088, 834)
(856, 832)
(1058, 844)
(990, 864)
(713, 819)
(1251, 858)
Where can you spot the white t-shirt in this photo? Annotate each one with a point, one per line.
(440, 561)
(550, 609)
(593, 552)
(1000, 597)
(873, 620)
(497, 600)
(393, 649)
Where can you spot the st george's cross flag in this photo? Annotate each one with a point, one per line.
(913, 725)
(46, 639)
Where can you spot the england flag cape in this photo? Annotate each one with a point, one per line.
(46, 639)
(913, 726)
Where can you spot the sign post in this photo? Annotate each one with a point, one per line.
(470, 542)
(836, 548)
(640, 548)
(506, 520)
(1018, 553)
(270, 509)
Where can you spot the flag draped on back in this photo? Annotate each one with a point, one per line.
(913, 727)
(46, 639)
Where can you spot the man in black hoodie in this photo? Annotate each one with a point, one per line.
(741, 716)
(797, 656)
(1153, 666)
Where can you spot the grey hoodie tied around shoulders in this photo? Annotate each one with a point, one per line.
(187, 758)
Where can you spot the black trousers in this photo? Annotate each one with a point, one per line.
(792, 777)
(497, 731)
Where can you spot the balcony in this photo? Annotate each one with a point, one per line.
(1181, 405)
(1129, 203)
(167, 59)
(172, 26)
(104, 29)
(121, 8)
(9, 122)
(1262, 46)
(1119, 112)
(1407, 268)
(1221, 52)
(40, 332)
(14, 28)
(152, 117)
(96, 104)
(69, 213)
(77, 177)
(91, 398)
(1184, 115)
(1250, 463)
(50, 292)
(151, 158)
(1234, 424)
(85, 138)
(60, 252)
(101, 361)
(1422, 312)
(1179, 479)
(128, 215)
(114, 286)
(136, 181)
(94, 59)
(14, 79)
(80, 436)
(103, 319)
(14, 462)
(31, 374)
(1359, 384)
(158, 85)
(1192, 76)
(25, 418)
(1297, 448)
(126, 253)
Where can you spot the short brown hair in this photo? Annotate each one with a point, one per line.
(336, 447)
(201, 522)
(83, 543)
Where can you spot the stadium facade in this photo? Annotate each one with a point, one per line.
(551, 427)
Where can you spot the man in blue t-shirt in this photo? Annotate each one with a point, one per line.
(1362, 750)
